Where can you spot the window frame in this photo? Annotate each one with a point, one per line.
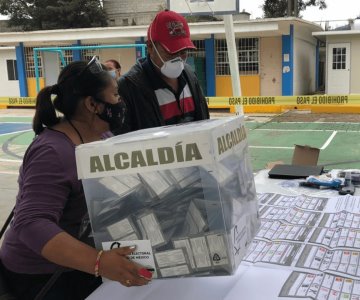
(248, 51)
(12, 72)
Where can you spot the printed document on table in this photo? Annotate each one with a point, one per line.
(313, 243)
(343, 203)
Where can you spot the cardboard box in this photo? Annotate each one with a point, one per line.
(304, 164)
(184, 194)
(305, 155)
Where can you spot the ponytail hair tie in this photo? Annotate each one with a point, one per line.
(55, 89)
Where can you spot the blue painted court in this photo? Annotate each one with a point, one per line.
(9, 127)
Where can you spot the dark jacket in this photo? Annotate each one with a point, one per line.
(143, 110)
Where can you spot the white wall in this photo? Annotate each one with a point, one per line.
(355, 65)
(7, 87)
(304, 64)
(140, 12)
(270, 66)
(126, 57)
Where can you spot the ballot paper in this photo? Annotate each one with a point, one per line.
(314, 240)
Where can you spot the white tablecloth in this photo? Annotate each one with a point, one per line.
(247, 283)
(209, 288)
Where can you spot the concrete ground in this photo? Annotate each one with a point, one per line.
(9, 167)
(271, 138)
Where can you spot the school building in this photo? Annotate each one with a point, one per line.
(276, 56)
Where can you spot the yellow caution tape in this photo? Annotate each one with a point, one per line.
(18, 101)
(227, 102)
(285, 100)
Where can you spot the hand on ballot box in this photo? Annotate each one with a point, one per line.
(116, 266)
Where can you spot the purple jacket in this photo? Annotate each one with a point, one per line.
(50, 200)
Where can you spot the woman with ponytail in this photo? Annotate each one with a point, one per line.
(43, 238)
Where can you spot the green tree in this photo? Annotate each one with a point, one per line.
(279, 8)
(53, 14)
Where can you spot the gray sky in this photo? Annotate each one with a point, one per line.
(336, 10)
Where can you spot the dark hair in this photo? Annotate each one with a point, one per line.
(115, 63)
(74, 82)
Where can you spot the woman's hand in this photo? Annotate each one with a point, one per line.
(115, 265)
(65, 250)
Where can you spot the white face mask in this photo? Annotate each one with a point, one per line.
(171, 68)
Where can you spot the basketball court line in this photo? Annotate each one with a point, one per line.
(10, 165)
(303, 126)
(327, 143)
(10, 131)
(324, 146)
(14, 122)
(270, 147)
(317, 122)
(11, 160)
(303, 130)
(15, 132)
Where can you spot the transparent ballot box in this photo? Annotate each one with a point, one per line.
(184, 194)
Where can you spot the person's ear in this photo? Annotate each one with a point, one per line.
(91, 105)
(150, 47)
(149, 44)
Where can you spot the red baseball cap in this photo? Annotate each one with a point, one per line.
(171, 30)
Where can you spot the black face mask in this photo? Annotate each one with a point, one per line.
(114, 114)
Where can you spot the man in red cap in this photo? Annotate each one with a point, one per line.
(162, 89)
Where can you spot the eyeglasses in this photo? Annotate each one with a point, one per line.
(94, 65)
(168, 56)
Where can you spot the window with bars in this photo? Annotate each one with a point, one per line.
(29, 62)
(248, 51)
(196, 57)
(86, 55)
(68, 56)
(339, 59)
(221, 58)
(200, 49)
(12, 69)
(248, 56)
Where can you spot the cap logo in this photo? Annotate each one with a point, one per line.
(176, 28)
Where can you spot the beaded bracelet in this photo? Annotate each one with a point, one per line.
(97, 263)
